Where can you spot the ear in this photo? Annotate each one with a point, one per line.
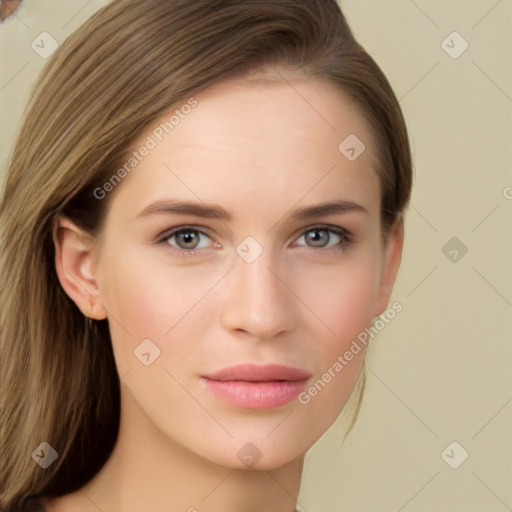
(392, 258)
(75, 266)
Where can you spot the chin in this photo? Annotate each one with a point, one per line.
(258, 454)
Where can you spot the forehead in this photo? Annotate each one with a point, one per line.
(256, 140)
(303, 116)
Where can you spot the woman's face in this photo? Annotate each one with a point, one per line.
(254, 279)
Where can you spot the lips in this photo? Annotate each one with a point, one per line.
(252, 386)
(259, 373)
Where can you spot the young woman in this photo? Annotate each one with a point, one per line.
(202, 213)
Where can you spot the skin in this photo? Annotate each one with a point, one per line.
(260, 149)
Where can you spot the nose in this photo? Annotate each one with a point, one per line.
(258, 301)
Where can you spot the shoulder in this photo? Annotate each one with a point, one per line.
(73, 502)
(76, 501)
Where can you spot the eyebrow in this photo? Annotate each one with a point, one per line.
(176, 207)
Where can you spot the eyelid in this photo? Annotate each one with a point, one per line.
(182, 227)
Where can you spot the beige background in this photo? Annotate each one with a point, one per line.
(441, 370)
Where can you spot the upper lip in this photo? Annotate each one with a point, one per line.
(259, 373)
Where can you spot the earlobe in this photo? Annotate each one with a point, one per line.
(391, 264)
(74, 263)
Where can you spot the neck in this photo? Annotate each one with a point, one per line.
(149, 471)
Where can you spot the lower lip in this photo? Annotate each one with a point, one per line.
(255, 395)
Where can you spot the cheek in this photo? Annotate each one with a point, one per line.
(343, 298)
(339, 359)
(150, 299)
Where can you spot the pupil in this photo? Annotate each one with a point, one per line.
(315, 236)
(188, 237)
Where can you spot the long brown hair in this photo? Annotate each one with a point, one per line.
(109, 81)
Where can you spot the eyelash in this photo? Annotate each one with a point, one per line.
(346, 239)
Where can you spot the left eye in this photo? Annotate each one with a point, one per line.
(321, 237)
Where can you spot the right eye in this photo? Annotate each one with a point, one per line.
(186, 240)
